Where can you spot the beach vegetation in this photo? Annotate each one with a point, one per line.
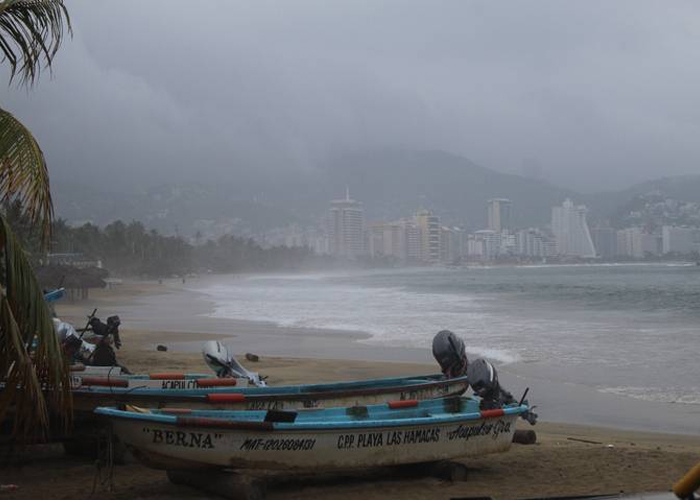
(132, 250)
(31, 362)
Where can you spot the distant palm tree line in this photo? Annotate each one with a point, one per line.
(132, 250)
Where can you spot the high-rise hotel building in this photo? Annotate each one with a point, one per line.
(571, 232)
(429, 231)
(346, 224)
(500, 215)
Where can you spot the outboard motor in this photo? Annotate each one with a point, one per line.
(103, 334)
(105, 330)
(77, 349)
(224, 365)
(449, 352)
(483, 378)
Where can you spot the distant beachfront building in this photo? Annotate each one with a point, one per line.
(429, 230)
(452, 242)
(412, 238)
(573, 239)
(500, 215)
(400, 240)
(486, 244)
(534, 243)
(346, 228)
(636, 243)
(604, 241)
(680, 240)
(321, 245)
(387, 239)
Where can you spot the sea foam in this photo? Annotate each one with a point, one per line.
(392, 316)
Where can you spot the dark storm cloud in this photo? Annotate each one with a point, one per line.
(596, 93)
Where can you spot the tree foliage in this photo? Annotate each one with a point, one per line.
(23, 172)
(131, 249)
(32, 367)
(30, 355)
(31, 32)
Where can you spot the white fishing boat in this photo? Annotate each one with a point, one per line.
(226, 372)
(236, 388)
(225, 394)
(393, 433)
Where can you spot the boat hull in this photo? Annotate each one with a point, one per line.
(174, 447)
(273, 398)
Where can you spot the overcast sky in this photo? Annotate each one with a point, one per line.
(591, 94)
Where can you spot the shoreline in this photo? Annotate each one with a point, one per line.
(569, 459)
(178, 316)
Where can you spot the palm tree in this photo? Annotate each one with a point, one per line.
(31, 362)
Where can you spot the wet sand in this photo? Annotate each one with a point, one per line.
(569, 459)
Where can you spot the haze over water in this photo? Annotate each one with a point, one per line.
(629, 330)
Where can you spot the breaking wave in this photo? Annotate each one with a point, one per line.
(689, 396)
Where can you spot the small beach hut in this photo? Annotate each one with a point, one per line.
(76, 281)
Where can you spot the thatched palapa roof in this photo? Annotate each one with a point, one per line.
(50, 277)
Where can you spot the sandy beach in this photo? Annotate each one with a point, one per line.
(569, 458)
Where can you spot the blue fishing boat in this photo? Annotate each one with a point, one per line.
(209, 393)
(233, 387)
(391, 433)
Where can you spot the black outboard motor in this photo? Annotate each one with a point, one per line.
(449, 352)
(484, 381)
(105, 330)
(104, 355)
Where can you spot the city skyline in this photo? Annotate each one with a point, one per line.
(424, 238)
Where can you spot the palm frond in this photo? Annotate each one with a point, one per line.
(29, 372)
(23, 172)
(31, 31)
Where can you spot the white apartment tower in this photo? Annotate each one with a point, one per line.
(571, 232)
(500, 214)
(346, 226)
(387, 239)
(429, 230)
(678, 239)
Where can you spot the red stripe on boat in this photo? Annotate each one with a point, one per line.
(492, 413)
(176, 411)
(216, 382)
(408, 403)
(105, 382)
(166, 376)
(225, 398)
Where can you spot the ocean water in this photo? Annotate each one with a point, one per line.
(628, 330)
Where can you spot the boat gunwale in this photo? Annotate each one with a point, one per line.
(166, 394)
(438, 419)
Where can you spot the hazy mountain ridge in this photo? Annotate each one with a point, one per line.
(390, 183)
(170, 209)
(395, 183)
(683, 187)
